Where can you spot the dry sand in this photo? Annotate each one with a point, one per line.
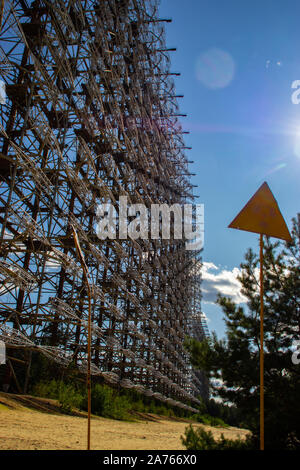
(31, 423)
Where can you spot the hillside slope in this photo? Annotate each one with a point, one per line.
(28, 422)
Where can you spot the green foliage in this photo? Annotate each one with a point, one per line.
(42, 370)
(210, 420)
(105, 401)
(235, 360)
(68, 396)
(142, 404)
(228, 414)
(200, 439)
(46, 389)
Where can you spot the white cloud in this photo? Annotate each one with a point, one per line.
(51, 262)
(8, 235)
(205, 317)
(216, 280)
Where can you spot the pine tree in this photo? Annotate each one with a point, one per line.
(234, 361)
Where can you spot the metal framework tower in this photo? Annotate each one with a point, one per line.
(90, 115)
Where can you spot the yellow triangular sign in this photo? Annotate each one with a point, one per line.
(262, 215)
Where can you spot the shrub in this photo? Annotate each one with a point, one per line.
(217, 422)
(67, 395)
(101, 398)
(210, 420)
(46, 389)
(139, 406)
(119, 409)
(107, 403)
(200, 439)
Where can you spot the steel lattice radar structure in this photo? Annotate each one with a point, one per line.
(89, 113)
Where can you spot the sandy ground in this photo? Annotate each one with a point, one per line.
(29, 423)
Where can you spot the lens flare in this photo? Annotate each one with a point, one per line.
(278, 167)
(297, 145)
(215, 68)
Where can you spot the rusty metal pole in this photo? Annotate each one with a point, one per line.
(261, 352)
(86, 276)
(262, 215)
(89, 368)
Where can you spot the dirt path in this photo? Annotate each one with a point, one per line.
(27, 428)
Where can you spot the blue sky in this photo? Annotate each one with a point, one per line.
(238, 61)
